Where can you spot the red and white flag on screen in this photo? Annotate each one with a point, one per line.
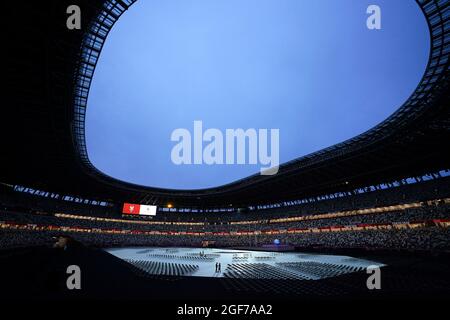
(139, 209)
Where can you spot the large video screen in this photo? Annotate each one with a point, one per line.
(139, 209)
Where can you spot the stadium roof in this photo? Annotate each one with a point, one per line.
(48, 75)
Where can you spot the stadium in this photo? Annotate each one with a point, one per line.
(313, 230)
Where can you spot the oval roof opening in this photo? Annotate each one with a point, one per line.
(310, 69)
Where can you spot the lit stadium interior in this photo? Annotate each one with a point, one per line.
(319, 229)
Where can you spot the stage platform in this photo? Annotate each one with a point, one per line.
(201, 262)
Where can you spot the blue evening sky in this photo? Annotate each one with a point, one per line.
(311, 69)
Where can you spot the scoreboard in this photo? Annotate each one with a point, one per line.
(139, 209)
